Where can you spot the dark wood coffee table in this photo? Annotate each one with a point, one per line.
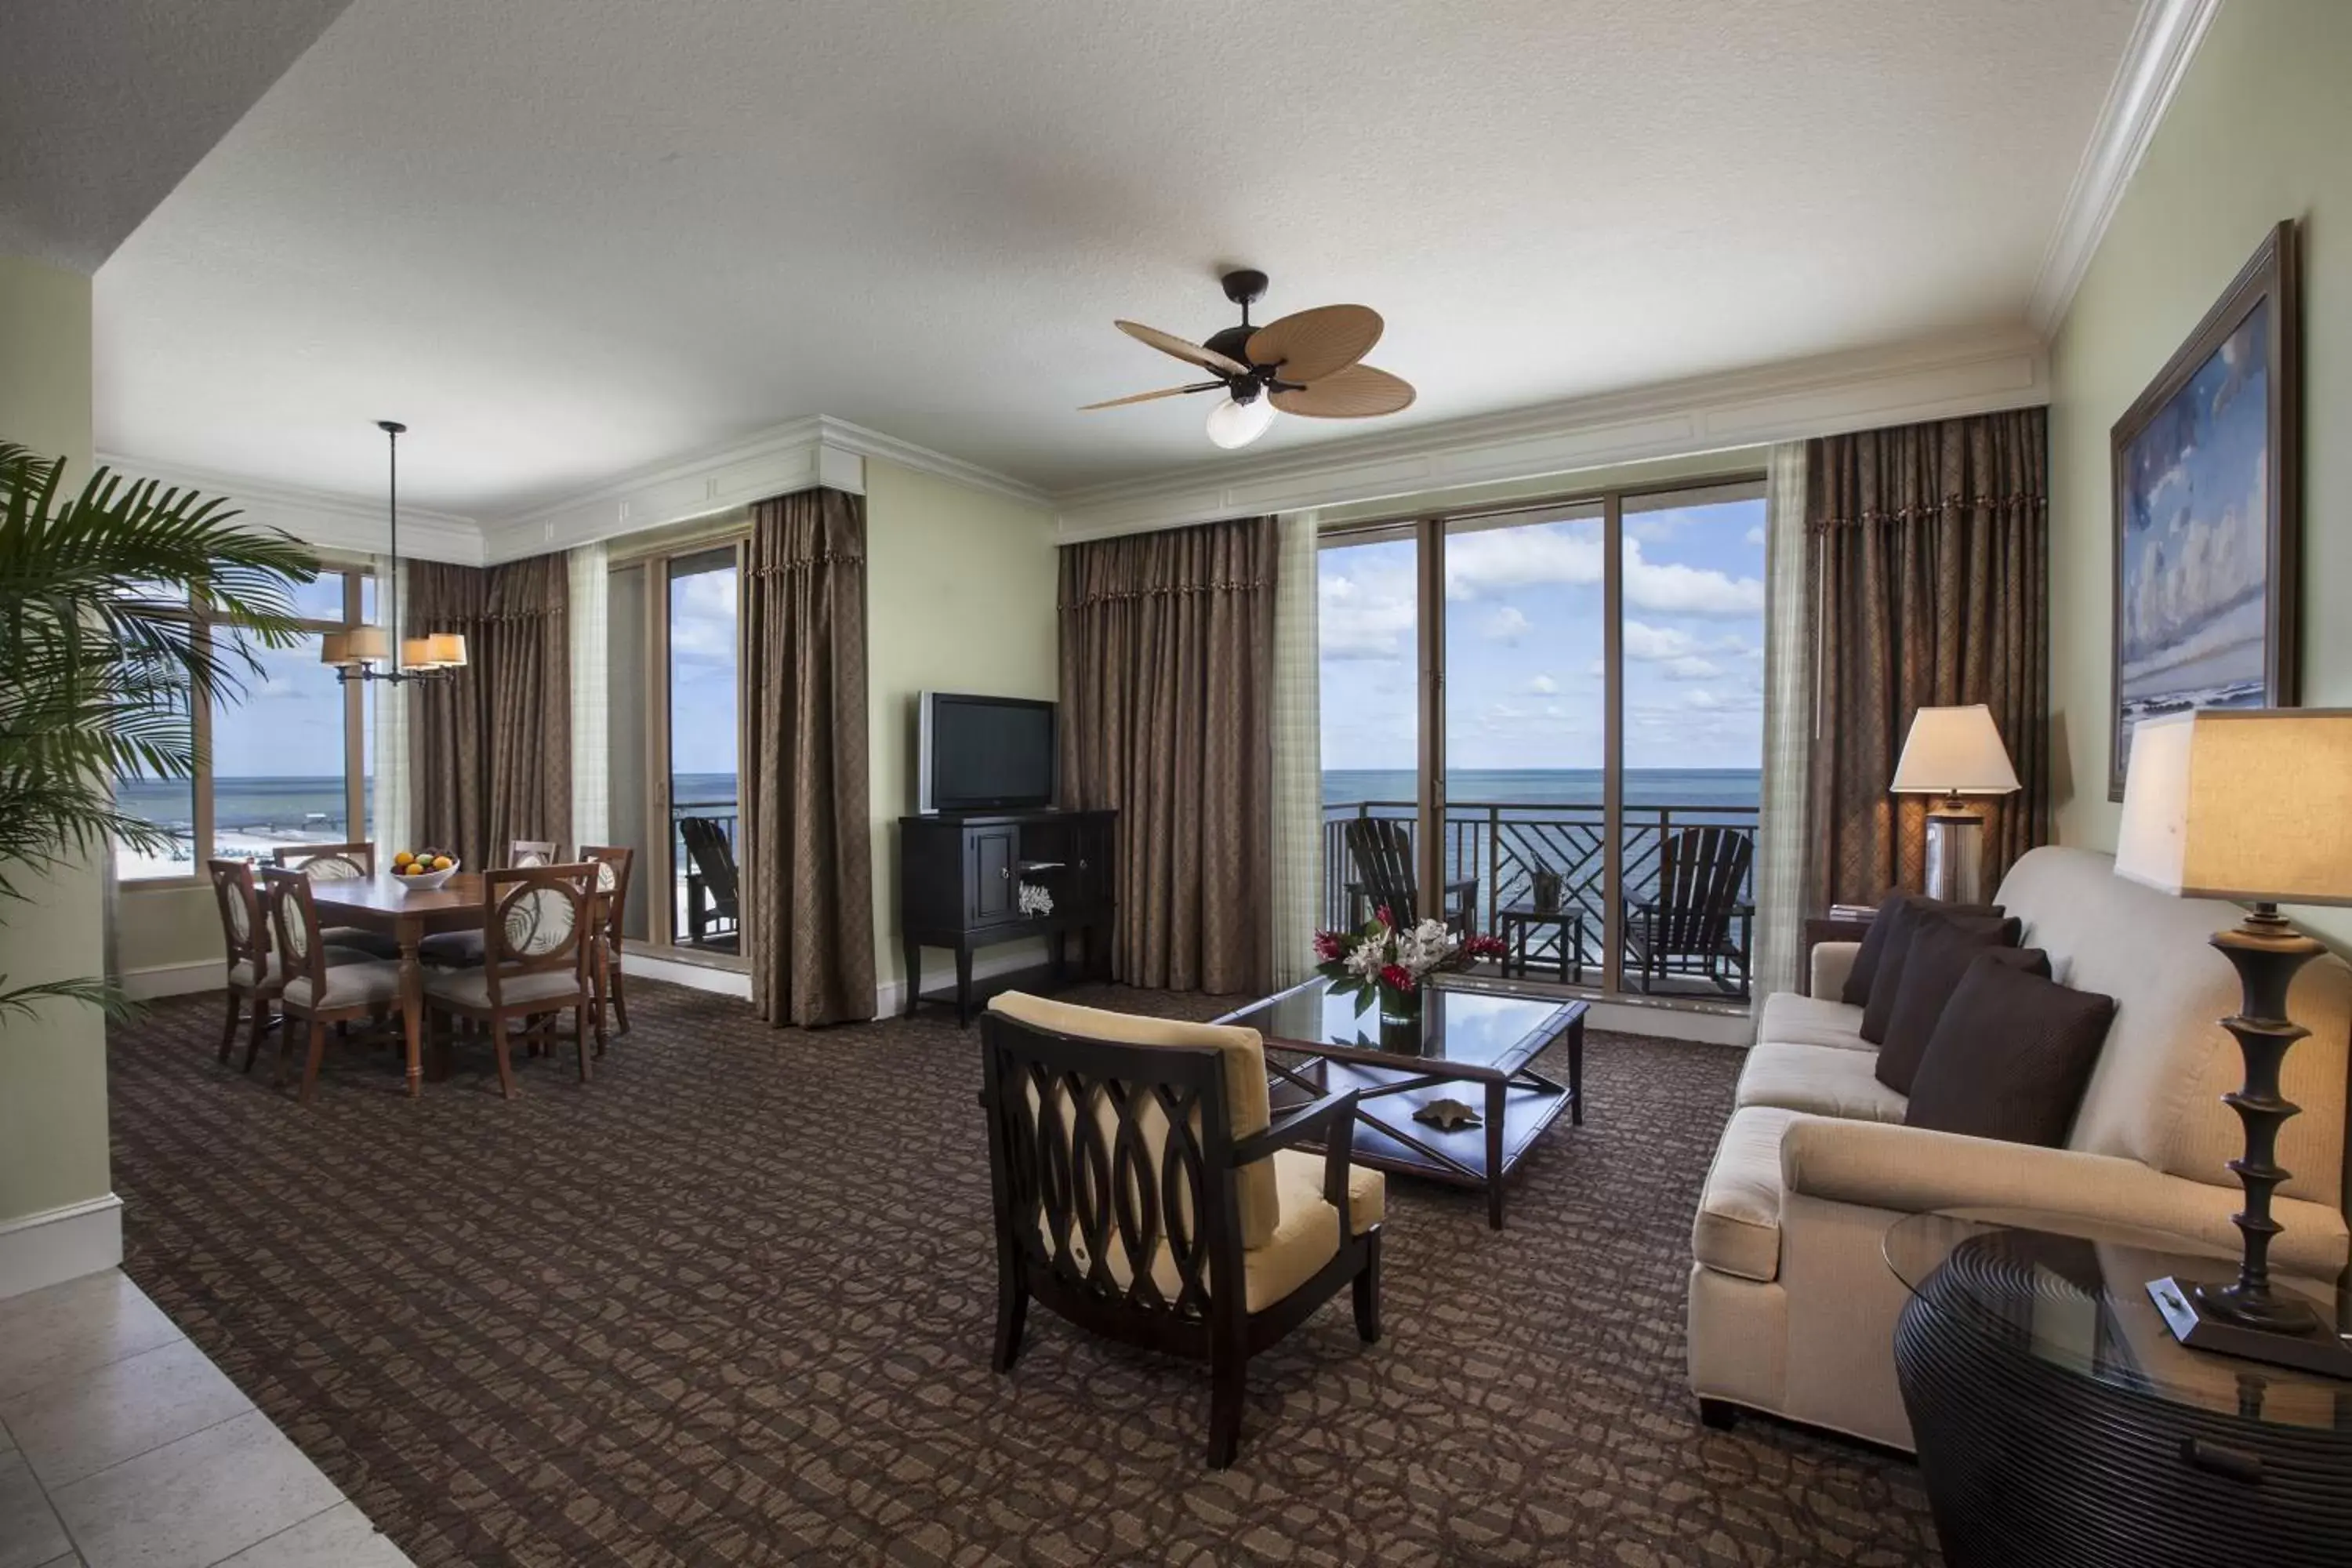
(1470, 1045)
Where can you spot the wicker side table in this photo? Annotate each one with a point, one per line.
(2060, 1425)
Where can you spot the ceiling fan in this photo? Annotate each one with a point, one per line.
(1309, 364)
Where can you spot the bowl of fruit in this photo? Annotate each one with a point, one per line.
(423, 870)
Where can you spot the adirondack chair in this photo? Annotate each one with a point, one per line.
(1381, 848)
(1688, 930)
(711, 898)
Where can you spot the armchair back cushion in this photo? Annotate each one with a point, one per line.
(1244, 1053)
(2156, 1094)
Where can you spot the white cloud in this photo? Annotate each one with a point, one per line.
(1543, 685)
(1570, 554)
(1674, 589)
(1645, 641)
(1356, 620)
(1703, 700)
(1507, 623)
(1692, 669)
(1756, 536)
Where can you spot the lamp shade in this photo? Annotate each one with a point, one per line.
(362, 644)
(1954, 751)
(2250, 804)
(448, 648)
(416, 653)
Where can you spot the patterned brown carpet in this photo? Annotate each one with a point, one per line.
(731, 1303)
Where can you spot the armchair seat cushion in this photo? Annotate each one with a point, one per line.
(1813, 1021)
(1304, 1240)
(454, 949)
(471, 987)
(1298, 1176)
(366, 983)
(241, 972)
(1737, 1230)
(1823, 1080)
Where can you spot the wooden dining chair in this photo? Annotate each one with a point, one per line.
(255, 978)
(536, 942)
(340, 863)
(317, 990)
(613, 863)
(462, 949)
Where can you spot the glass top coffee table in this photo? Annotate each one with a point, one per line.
(1473, 1048)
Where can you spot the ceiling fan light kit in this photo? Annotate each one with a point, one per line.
(1308, 363)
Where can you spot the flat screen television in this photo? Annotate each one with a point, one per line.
(984, 753)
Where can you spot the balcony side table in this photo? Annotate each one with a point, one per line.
(1512, 921)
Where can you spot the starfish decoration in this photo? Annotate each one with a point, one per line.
(1447, 1115)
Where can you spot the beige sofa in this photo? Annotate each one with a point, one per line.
(1792, 1307)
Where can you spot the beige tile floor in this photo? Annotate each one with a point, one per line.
(122, 1446)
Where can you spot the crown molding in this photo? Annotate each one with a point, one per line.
(2163, 43)
(815, 450)
(1937, 379)
(321, 519)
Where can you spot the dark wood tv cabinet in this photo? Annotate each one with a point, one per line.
(960, 880)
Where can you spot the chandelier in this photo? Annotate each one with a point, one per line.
(357, 653)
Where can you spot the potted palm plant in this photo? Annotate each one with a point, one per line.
(123, 607)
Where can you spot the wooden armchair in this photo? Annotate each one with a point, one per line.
(1143, 1192)
(713, 902)
(1381, 848)
(1688, 929)
(319, 989)
(337, 863)
(462, 949)
(535, 948)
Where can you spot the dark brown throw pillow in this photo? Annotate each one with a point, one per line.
(1940, 953)
(1874, 941)
(2009, 1058)
(1888, 984)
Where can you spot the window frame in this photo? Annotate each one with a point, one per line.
(1431, 527)
(355, 576)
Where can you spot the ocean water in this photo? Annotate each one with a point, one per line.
(1693, 787)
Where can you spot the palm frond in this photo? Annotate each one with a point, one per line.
(24, 1002)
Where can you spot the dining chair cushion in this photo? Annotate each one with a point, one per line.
(375, 943)
(471, 987)
(356, 984)
(241, 972)
(455, 949)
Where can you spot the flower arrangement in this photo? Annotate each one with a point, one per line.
(1394, 961)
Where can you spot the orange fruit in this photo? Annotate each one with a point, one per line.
(442, 863)
(402, 859)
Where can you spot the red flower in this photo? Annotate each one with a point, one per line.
(1385, 918)
(1394, 977)
(1484, 947)
(1330, 946)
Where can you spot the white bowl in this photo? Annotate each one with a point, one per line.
(429, 881)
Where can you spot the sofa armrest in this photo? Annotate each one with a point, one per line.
(1911, 1170)
(1833, 961)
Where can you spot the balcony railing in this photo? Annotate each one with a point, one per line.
(707, 914)
(1503, 846)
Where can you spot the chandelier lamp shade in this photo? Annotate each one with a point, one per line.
(365, 652)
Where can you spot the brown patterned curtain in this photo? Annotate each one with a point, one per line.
(810, 882)
(1928, 550)
(1167, 665)
(490, 746)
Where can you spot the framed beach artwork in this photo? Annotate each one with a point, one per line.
(2208, 472)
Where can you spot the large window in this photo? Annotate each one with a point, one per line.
(282, 762)
(1597, 677)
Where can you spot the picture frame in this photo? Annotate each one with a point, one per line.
(2207, 487)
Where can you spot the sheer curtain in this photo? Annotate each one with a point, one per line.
(1297, 753)
(592, 797)
(1787, 715)
(388, 787)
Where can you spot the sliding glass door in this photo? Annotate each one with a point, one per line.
(1565, 701)
(676, 726)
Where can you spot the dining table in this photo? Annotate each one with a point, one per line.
(382, 903)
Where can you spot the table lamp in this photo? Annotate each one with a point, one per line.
(1953, 751)
(2253, 804)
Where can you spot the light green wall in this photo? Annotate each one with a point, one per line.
(53, 1147)
(2258, 131)
(959, 596)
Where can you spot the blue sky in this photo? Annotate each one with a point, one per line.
(702, 672)
(1524, 677)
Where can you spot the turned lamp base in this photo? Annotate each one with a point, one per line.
(2248, 1318)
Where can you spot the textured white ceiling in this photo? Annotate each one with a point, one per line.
(106, 104)
(564, 239)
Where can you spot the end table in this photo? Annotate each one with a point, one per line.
(1511, 923)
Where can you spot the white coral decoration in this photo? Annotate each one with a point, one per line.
(1035, 901)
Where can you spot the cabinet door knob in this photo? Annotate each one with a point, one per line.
(1004, 873)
